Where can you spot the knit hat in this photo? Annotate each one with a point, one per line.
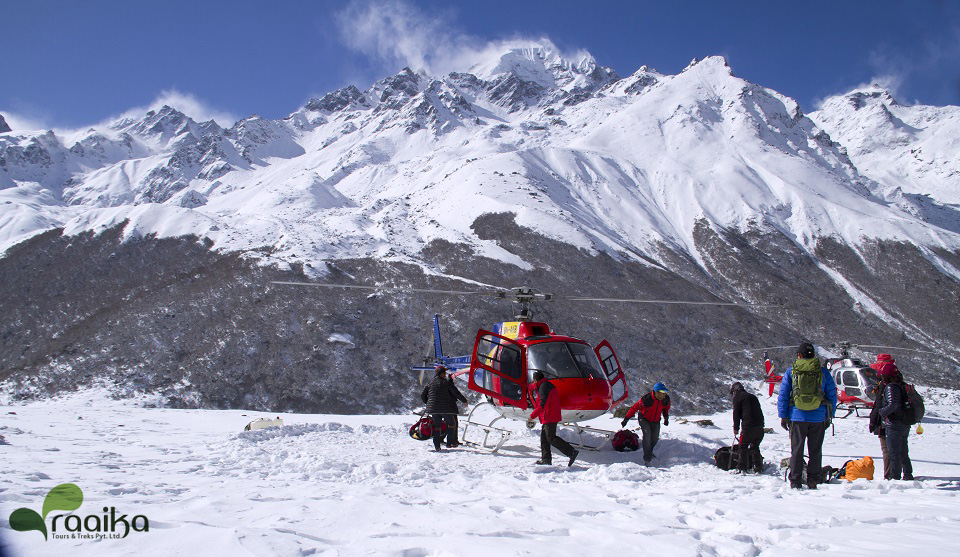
(887, 369)
(806, 350)
(885, 358)
(737, 386)
(660, 387)
(439, 369)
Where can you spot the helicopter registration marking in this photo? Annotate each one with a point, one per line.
(510, 329)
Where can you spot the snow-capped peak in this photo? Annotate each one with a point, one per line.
(709, 64)
(4, 128)
(165, 124)
(906, 148)
(542, 65)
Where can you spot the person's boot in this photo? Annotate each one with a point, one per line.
(573, 457)
(542, 462)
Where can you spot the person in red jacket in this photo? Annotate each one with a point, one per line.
(548, 410)
(649, 409)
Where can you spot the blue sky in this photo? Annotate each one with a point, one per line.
(70, 63)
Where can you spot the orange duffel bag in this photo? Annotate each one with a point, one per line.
(855, 469)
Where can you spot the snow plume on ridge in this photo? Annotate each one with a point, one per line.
(186, 103)
(19, 121)
(889, 82)
(398, 33)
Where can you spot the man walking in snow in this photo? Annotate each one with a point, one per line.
(441, 397)
(747, 410)
(547, 409)
(806, 405)
(650, 407)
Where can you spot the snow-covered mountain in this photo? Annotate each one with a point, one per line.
(908, 150)
(605, 163)
(697, 180)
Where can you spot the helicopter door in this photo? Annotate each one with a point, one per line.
(496, 369)
(611, 367)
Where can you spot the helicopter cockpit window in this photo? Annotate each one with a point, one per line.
(560, 360)
(511, 366)
(851, 382)
(587, 360)
(504, 358)
(869, 377)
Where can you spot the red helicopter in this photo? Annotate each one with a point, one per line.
(589, 380)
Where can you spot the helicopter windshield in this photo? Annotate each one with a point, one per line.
(561, 360)
(870, 382)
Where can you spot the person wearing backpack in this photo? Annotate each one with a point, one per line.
(876, 422)
(806, 405)
(747, 410)
(892, 400)
(547, 409)
(650, 407)
(441, 396)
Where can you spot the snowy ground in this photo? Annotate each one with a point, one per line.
(351, 485)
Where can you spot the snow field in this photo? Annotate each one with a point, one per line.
(350, 485)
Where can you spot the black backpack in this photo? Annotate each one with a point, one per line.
(726, 458)
(913, 408)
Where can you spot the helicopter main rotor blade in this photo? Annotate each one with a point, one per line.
(388, 288)
(895, 348)
(523, 295)
(759, 349)
(681, 302)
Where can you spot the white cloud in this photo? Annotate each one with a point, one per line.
(397, 33)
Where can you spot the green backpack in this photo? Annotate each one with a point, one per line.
(807, 384)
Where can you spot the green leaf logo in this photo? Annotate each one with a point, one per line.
(64, 497)
(25, 520)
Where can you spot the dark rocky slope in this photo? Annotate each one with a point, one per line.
(205, 329)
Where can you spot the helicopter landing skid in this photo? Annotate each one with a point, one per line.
(605, 433)
(487, 430)
(852, 410)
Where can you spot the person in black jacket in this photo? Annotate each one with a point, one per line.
(876, 422)
(748, 413)
(891, 400)
(441, 397)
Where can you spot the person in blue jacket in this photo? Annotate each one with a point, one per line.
(806, 407)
